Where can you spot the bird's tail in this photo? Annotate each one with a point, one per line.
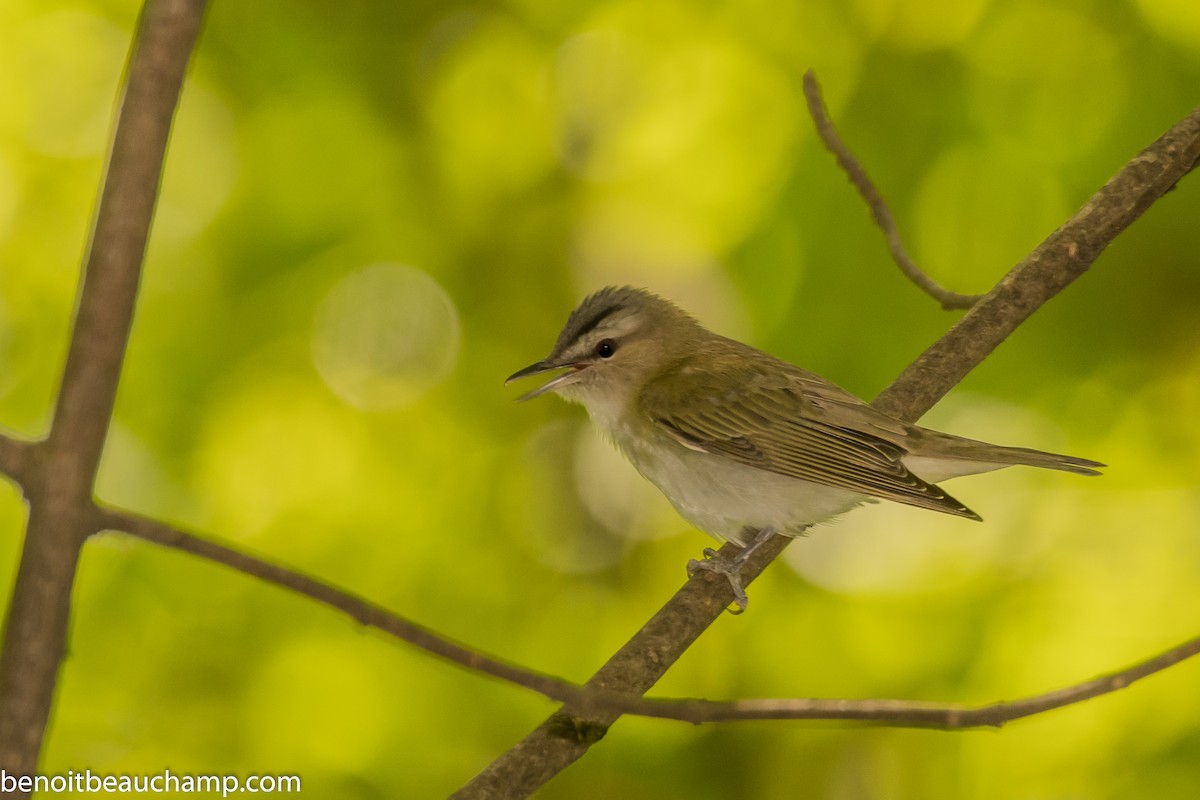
(954, 455)
(1040, 458)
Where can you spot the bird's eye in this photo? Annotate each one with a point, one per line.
(606, 348)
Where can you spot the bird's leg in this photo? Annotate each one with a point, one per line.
(731, 567)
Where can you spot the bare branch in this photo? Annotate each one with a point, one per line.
(900, 713)
(58, 479)
(566, 735)
(358, 609)
(874, 200)
(162, 46)
(1064, 256)
(594, 699)
(14, 456)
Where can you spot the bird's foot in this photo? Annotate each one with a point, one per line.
(730, 568)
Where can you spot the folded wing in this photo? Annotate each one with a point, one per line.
(789, 421)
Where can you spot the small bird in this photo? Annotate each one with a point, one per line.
(745, 445)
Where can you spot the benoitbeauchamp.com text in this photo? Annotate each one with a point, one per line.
(86, 781)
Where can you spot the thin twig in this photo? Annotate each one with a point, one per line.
(908, 714)
(566, 736)
(58, 480)
(14, 456)
(1066, 254)
(361, 610)
(874, 200)
(593, 699)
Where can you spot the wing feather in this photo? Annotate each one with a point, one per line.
(786, 420)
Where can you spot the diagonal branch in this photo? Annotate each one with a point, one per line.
(166, 33)
(874, 200)
(1064, 256)
(58, 474)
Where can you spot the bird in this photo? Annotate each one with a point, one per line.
(743, 444)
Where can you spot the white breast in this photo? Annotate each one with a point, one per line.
(722, 497)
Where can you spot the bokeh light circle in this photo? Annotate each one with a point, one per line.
(384, 335)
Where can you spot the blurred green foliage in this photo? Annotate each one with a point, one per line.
(373, 212)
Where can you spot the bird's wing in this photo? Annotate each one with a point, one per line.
(777, 417)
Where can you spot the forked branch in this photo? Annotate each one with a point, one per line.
(58, 473)
(1059, 260)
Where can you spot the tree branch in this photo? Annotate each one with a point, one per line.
(360, 610)
(594, 699)
(14, 456)
(874, 200)
(900, 713)
(58, 474)
(1062, 258)
(163, 43)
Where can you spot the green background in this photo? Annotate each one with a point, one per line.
(374, 212)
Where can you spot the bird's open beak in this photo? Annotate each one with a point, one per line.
(538, 369)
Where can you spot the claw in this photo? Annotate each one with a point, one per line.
(695, 564)
(716, 563)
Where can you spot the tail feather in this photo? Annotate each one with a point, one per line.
(1040, 458)
(942, 456)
